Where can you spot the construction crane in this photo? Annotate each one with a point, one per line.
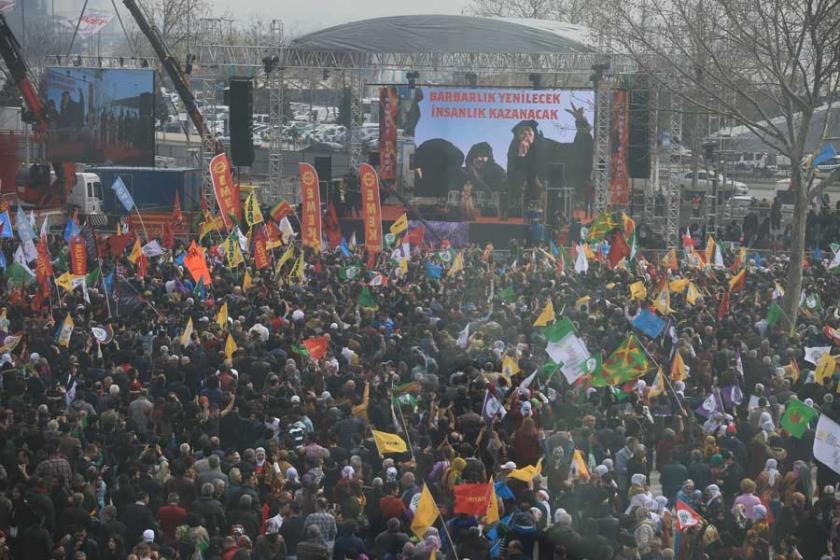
(10, 50)
(176, 75)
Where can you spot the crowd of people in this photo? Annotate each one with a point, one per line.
(211, 421)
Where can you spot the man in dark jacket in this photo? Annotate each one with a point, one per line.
(348, 545)
(391, 540)
(210, 509)
(137, 518)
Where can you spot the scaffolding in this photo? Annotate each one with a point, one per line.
(670, 188)
(274, 85)
(601, 153)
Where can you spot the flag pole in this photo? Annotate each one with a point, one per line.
(667, 378)
(405, 426)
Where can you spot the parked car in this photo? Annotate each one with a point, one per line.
(705, 184)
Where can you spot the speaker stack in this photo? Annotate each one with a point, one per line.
(241, 121)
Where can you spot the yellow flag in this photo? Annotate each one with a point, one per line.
(287, 254)
(547, 315)
(253, 214)
(710, 249)
(825, 368)
(215, 223)
(400, 225)
(230, 347)
(66, 331)
(588, 252)
(658, 387)
(638, 290)
(509, 367)
(492, 515)
(527, 473)
(404, 266)
(662, 303)
(388, 443)
(297, 270)
(582, 301)
(65, 281)
(579, 465)
(136, 252)
(679, 371)
(247, 280)
(426, 514)
(457, 265)
(678, 285)
(222, 316)
(232, 251)
(187, 334)
(692, 294)
(360, 410)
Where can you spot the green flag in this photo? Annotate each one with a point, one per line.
(366, 299)
(93, 276)
(507, 294)
(300, 349)
(628, 362)
(812, 302)
(407, 400)
(17, 275)
(774, 313)
(797, 417)
(559, 329)
(546, 371)
(348, 272)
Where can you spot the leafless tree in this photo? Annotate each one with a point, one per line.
(769, 65)
(571, 11)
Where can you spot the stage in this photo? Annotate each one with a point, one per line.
(482, 230)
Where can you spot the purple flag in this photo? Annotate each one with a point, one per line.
(710, 406)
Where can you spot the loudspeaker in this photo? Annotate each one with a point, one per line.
(241, 121)
(373, 158)
(638, 152)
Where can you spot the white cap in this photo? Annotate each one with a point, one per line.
(295, 399)
(297, 315)
(149, 535)
(509, 466)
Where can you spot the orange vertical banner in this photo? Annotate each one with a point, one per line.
(78, 256)
(311, 214)
(619, 173)
(260, 250)
(227, 193)
(371, 207)
(388, 107)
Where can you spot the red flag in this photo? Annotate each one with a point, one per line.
(737, 281)
(168, 237)
(618, 250)
(332, 227)
(78, 255)
(685, 517)
(205, 206)
(142, 265)
(260, 251)
(177, 215)
(316, 346)
(415, 236)
(371, 262)
(471, 499)
(724, 306)
(196, 263)
(43, 266)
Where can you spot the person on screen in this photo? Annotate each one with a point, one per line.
(409, 111)
(483, 173)
(525, 172)
(438, 168)
(530, 155)
(72, 113)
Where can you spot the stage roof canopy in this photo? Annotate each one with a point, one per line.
(449, 34)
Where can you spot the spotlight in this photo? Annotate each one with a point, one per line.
(472, 79)
(122, 62)
(77, 62)
(325, 75)
(269, 63)
(536, 80)
(144, 63)
(412, 79)
(189, 66)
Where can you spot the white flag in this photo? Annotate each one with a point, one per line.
(492, 407)
(718, 256)
(45, 226)
(464, 338)
(581, 262)
(528, 380)
(827, 443)
(814, 353)
(286, 229)
(152, 249)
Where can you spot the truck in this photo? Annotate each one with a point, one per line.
(42, 190)
(153, 190)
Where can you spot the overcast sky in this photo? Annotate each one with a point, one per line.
(309, 15)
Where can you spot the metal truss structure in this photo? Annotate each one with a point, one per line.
(87, 61)
(601, 155)
(669, 186)
(274, 85)
(649, 200)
